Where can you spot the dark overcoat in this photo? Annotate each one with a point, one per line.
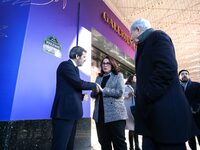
(192, 93)
(162, 110)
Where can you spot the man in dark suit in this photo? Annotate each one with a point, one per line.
(163, 115)
(67, 106)
(192, 92)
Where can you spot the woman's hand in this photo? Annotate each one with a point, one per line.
(99, 88)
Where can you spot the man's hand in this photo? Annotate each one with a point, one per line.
(130, 94)
(99, 87)
(85, 97)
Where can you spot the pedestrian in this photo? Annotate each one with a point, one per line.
(67, 106)
(163, 115)
(192, 92)
(110, 112)
(129, 100)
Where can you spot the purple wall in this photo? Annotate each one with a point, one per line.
(91, 16)
(35, 86)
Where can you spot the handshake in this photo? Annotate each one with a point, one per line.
(96, 91)
(98, 88)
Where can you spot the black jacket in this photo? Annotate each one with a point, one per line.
(192, 93)
(162, 110)
(68, 98)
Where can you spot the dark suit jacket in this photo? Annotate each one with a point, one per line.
(162, 111)
(192, 93)
(68, 98)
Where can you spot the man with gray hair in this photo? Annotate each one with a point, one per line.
(163, 115)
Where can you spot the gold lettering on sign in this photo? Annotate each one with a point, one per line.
(117, 28)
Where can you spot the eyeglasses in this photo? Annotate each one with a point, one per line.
(106, 63)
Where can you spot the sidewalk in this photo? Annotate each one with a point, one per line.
(96, 145)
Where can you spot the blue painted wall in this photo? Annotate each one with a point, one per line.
(13, 23)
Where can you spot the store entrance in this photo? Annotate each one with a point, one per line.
(101, 47)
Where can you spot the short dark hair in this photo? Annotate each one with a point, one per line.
(76, 50)
(114, 66)
(182, 71)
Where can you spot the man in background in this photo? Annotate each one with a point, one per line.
(192, 92)
(67, 106)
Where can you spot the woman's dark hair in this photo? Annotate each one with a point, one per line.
(114, 66)
(130, 80)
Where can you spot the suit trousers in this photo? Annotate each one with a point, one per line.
(112, 132)
(149, 144)
(63, 134)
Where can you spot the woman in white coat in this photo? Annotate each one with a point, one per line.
(129, 100)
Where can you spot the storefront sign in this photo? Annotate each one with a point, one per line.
(117, 28)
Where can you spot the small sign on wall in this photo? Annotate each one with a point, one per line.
(51, 46)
